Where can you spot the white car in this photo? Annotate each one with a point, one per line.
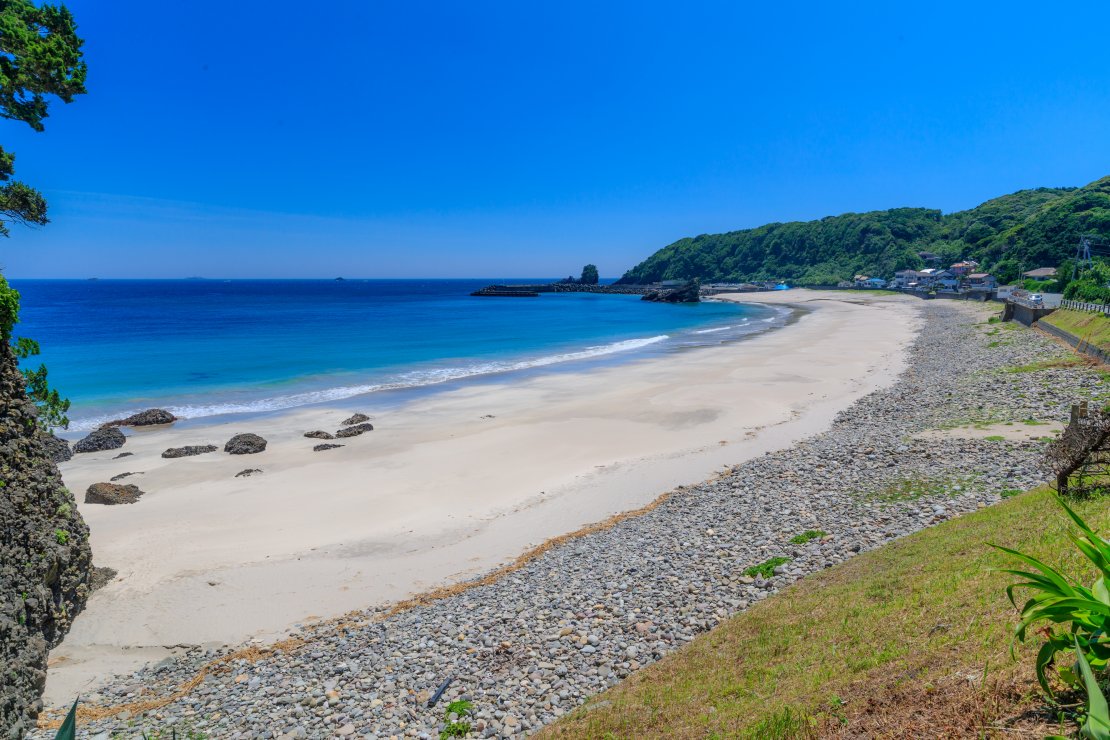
(1036, 299)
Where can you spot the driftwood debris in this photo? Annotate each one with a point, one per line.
(1080, 457)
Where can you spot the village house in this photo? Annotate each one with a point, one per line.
(981, 281)
(1041, 274)
(963, 268)
(903, 278)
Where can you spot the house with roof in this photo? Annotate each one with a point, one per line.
(982, 281)
(903, 278)
(964, 268)
(1041, 274)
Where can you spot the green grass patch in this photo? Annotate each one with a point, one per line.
(1010, 492)
(1034, 367)
(914, 636)
(913, 488)
(806, 536)
(766, 569)
(995, 438)
(1090, 327)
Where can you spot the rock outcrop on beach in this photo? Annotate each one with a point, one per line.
(354, 431)
(245, 444)
(325, 446)
(688, 293)
(45, 559)
(112, 494)
(105, 438)
(356, 419)
(189, 451)
(248, 472)
(57, 448)
(150, 417)
(319, 434)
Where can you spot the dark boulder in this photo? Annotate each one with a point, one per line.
(245, 444)
(112, 494)
(123, 454)
(319, 434)
(321, 448)
(105, 438)
(354, 431)
(57, 448)
(688, 293)
(248, 472)
(356, 419)
(189, 450)
(147, 418)
(121, 476)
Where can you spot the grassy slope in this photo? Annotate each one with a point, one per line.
(1093, 327)
(911, 639)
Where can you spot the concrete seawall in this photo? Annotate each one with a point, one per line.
(1080, 344)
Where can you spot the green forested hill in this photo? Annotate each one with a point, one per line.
(1007, 235)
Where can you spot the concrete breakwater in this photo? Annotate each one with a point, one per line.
(525, 290)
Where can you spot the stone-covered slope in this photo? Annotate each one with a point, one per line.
(45, 560)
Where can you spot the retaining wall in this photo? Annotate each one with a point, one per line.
(1080, 344)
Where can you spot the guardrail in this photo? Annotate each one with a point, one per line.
(1083, 306)
(1022, 301)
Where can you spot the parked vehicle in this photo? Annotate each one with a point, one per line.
(1036, 299)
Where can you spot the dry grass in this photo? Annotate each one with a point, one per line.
(909, 640)
(53, 719)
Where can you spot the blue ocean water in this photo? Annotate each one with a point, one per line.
(208, 347)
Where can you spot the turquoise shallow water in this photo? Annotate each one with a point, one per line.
(209, 347)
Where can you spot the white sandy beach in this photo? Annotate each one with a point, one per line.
(440, 491)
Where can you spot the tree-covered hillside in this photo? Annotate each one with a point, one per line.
(1007, 235)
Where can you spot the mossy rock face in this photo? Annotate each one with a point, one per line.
(45, 560)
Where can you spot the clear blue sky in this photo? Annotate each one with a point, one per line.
(400, 139)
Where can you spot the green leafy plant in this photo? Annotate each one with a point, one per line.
(806, 536)
(68, 730)
(1076, 617)
(61, 536)
(1096, 725)
(457, 727)
(51, 406)
(766, 569)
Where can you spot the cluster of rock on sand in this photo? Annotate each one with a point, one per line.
(109, 437)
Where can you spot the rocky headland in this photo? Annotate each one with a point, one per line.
(531, 641)
(45, 559)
